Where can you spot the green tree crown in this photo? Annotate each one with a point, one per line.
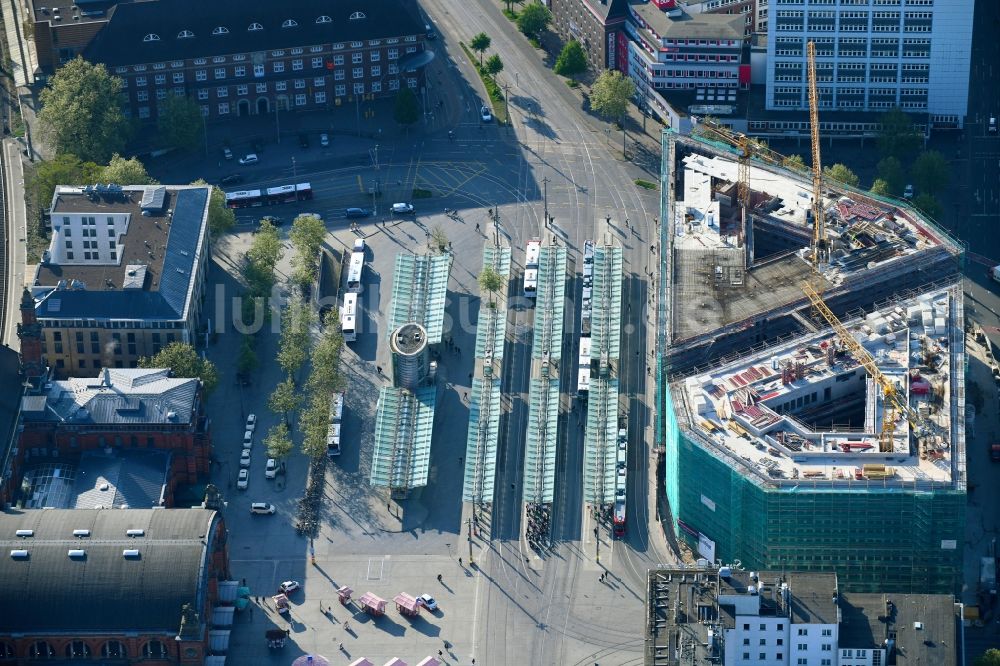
(184, 361)
(534, 19)
(572, 60)
(611, 93)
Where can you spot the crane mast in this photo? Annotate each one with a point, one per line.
(819, 225)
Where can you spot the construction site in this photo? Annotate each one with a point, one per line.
(811, 392)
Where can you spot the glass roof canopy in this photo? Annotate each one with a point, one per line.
(419, 293)
(541, 440)
(481, 446)
(549, 303)
(404, 422)
(600, 448)
(605, 325)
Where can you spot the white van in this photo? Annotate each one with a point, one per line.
(271, 470)
(262, 508)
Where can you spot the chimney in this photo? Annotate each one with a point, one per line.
(29, 331)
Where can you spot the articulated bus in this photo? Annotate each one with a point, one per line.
(531, 268)
(354, 270)
(269, 196)
(349, 317)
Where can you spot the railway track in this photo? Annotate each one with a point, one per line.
(4, 254)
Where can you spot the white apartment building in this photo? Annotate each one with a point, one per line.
(872, 55)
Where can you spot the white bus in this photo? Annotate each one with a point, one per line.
(531, 268)
(354, 271)
(349, 317)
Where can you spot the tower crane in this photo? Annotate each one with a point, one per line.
(894, 399)
(819, 224)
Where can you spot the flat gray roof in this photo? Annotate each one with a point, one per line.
(689, 26)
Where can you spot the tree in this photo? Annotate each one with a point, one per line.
(277, 442)
(180, 122)
(262, 258)
(842, 174)
(794, 162)
(479, 44)
(439, 239)
(930, 172)
(881, 188)
(63, 169)
(285, 398)
(314, 425)
(490, 281)
(183, 361)
(896, 135)
(247, 360)
(534, 19)
(610, 94)
(891, 171)
(126, 172)
(81, 112)
(990, 658)
(494, 65)
(307, 235)
(221, 218)
(928, 204)
(293, 347)
(572, 60)
(406, 110)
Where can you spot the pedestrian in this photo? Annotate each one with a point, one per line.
(347, 626)
(439, 578)
(341, 647)
(460, 459)
(465, 395)
(595, 531)
(440, 653)
(477, 226)
(460, 561)
(388, 507)
(379, 369)
(244, 582)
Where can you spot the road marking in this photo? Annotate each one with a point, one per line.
(372, 562)
(361, 185)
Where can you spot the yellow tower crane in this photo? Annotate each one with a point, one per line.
(819, 225)
(894, 400)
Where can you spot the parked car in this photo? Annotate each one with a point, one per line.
(402, 208)
(324, 139)
(227, 153)
(243, 480)
(248, 439)
(271, 469)
(262, 508)
(251, 422)
(357, 212)
(427, 601)
(430, 32)
(231, 179)
(908, 192)
(992, 126)
(271, 219)
(289, 586)
(245, 458)
(303, 140)
(359, 245)
(486, 114)
(250, 158)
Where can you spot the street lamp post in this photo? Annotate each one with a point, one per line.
(545, 199)
(471, 560)
(294, 174)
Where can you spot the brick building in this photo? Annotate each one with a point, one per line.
(239, 59)
(124, 275)
(62, 29)
(122, 411)
(599, 27)
(125, 587)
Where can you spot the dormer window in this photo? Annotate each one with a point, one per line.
(357, 15)
(289, 23)
(151, 37)
(185, 34)
(221, 30)
(254, 27)
(324, 19)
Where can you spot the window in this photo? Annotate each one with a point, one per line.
(746, 641)
(779, 656)
(340, 90)
(803, 647)
(279, 67)
(376, 71)
(300, 100)
(223, 108)
(338, 75)
(320, 97)
(300, 84)
(201, 75)
(296, 65)
(140, 81)
(113, 649)
(827, 632)
(277, 54)
(338, 59)
(824, 662)
(185, 34)
(202, 94)
(375, 56)
(240, 70)
(805, 632)
(114, 256)
(324, 19)
(262, 87)
(69, 257)
(802, 662)
(241, 90)
(281, 86)
(356, 16)
(827, 647)
(222, 92)
(254, 27)
(221, 30)
(178, 77)
(763, 656)
(780, 641)
(161, 94)
(763, 641)
(376, 86)
(393, 54)
(77, 650)
(319, 82)
(359, 89)
(297, 51)
(763, 627)
(358, 72)
(357, 57)
(394, 84)
(220, 72)
(154, 650)
(142, 96)
(41, 650)
(317, 62)
(258, 70)
(289, 23)
(151, 37)
(746, 656)
(144, 112)
(160, 79)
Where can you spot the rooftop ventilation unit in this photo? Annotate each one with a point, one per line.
(19, 554)
(25, 533)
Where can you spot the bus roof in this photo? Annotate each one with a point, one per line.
(242, 194)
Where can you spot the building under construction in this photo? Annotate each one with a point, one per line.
(810, 405)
